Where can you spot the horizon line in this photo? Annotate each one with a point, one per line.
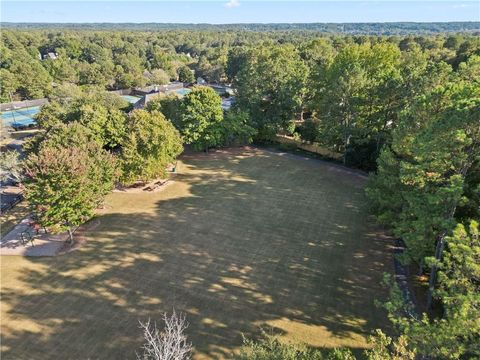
(246, 23)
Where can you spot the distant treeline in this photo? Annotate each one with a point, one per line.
(393, 28)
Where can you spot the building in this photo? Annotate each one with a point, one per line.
(150, 92)
(222, 90)
(50, 55)
(140, 104)
(155, 89)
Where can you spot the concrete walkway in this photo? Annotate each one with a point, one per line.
(9, 196)
(43, 244)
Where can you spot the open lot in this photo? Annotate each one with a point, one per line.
(241, 240)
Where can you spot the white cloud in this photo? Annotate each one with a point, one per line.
(232, 4)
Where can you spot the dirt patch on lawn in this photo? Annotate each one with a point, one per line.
(79, 238)
(140, 187)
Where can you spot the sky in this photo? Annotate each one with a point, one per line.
(237, 11)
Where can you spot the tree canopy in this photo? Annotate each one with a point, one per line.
(66, 182)
(270, 86)
(201, 117)
(151, 144)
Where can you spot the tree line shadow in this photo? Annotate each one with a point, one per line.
(254, 241)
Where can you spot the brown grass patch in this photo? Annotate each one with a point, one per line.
(243, 239)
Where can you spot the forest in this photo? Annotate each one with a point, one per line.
(374, 78)
(392, 28)
(405, 108)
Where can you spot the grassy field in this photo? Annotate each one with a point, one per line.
(239, 241)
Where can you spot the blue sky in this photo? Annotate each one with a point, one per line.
(238, 11)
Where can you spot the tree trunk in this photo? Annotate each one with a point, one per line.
(433, 271)
(379, 133)
(438, 257)
(345, 143)
(70, 235)
(420, 268)
(377, 147)
(346, 124)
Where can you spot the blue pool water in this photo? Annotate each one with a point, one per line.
(20, 117)
(182, 91)
(131, 99)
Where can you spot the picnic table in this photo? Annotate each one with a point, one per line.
(31, 233)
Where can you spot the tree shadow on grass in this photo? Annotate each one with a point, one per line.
(241, 241)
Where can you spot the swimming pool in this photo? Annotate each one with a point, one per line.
(182, 91)
(20, 117)
(131, 99)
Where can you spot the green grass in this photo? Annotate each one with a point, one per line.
(240, 240)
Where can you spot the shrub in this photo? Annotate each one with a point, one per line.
(270, 348)
(236, 128)
(290, 127)
(309, 130)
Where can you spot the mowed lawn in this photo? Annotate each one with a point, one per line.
(240, 240)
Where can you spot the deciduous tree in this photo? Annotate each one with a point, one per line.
(185, 74)
(151, 144)
(64, 182)
(201, 118)
(271, 87)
